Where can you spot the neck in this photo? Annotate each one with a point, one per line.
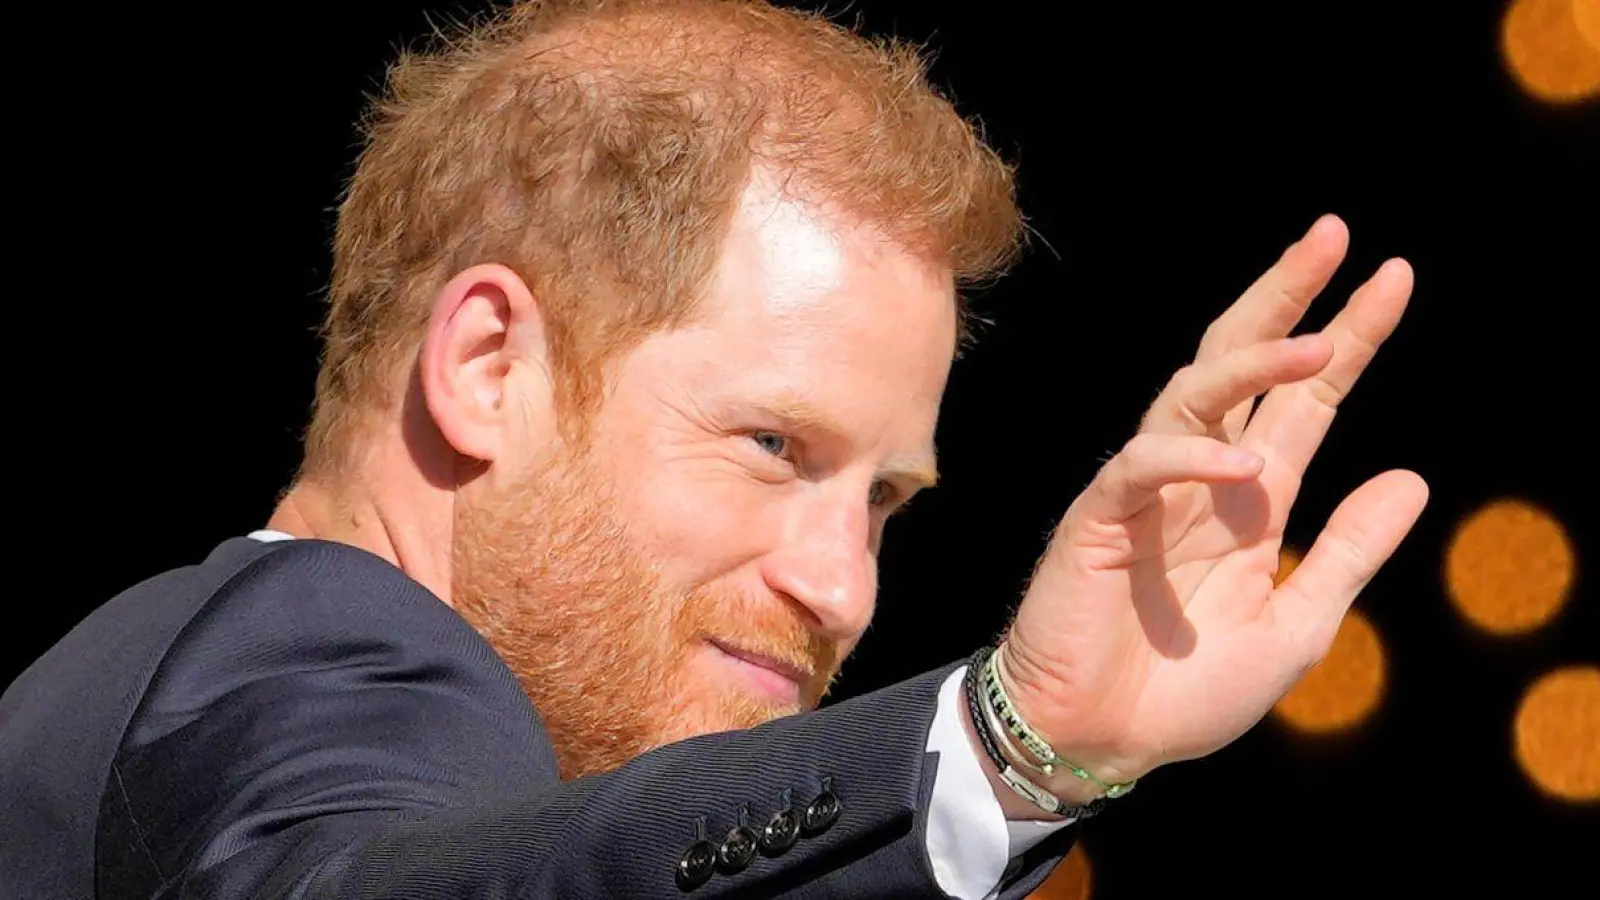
(399, 525)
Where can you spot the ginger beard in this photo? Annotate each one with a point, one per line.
(614, 660)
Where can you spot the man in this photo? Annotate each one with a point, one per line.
(640, 319)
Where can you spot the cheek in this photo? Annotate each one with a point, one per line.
(696, 519)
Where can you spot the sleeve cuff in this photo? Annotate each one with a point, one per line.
(969, 839)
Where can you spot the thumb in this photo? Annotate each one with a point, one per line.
(1360, 537)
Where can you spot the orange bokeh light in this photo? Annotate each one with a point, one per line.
(1346, 686)
(1586, 14)
(1509, 567)
(1549, 49)
(1557, 733)
(1288, 561)
(1342, 690)
(1070, 881)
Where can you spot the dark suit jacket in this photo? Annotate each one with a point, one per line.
(302, 720)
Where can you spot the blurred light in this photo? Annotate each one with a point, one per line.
(1509, 567)
(1345, 687)
(1550, 50)
(1557, 732)
(1288, 561)
(1586, 13)
(1069, 881)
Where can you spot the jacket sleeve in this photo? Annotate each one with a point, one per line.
(325, 728)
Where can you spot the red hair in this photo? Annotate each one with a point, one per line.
(598, 148)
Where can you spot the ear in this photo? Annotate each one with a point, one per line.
(484, 367)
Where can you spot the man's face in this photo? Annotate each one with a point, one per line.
(707, 561)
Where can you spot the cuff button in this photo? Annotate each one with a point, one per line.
(695, 868)
(737, 850)
(821, 814)
(780, 833)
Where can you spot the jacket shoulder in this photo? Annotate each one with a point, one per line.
(62, 718)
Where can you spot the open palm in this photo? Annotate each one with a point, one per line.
(1152, 630)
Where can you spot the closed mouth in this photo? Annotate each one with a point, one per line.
(787, 670)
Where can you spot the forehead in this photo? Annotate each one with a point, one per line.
(808, 319)
(814, 308)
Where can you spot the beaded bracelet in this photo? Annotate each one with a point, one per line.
(986, 726)
(1036, 746)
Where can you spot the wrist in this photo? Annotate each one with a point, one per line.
(1017, 762)
(1069, 733)
(1014, 807)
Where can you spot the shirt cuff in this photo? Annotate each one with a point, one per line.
(969, 839)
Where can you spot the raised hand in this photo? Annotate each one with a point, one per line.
(1152, 631)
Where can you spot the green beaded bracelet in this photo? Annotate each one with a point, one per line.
(1037, 747)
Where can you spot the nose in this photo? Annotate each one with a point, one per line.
(826, 565)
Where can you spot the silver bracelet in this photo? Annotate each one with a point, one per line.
(1018, 782)
(996, 698)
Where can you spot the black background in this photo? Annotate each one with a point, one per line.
(173, 168)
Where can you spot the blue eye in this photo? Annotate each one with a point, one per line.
(771, 442)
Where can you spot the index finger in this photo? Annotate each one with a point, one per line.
(1278, 300)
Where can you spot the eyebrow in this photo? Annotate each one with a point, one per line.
(921, 469)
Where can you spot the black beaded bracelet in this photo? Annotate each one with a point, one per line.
(980, 722)
(972, 687)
